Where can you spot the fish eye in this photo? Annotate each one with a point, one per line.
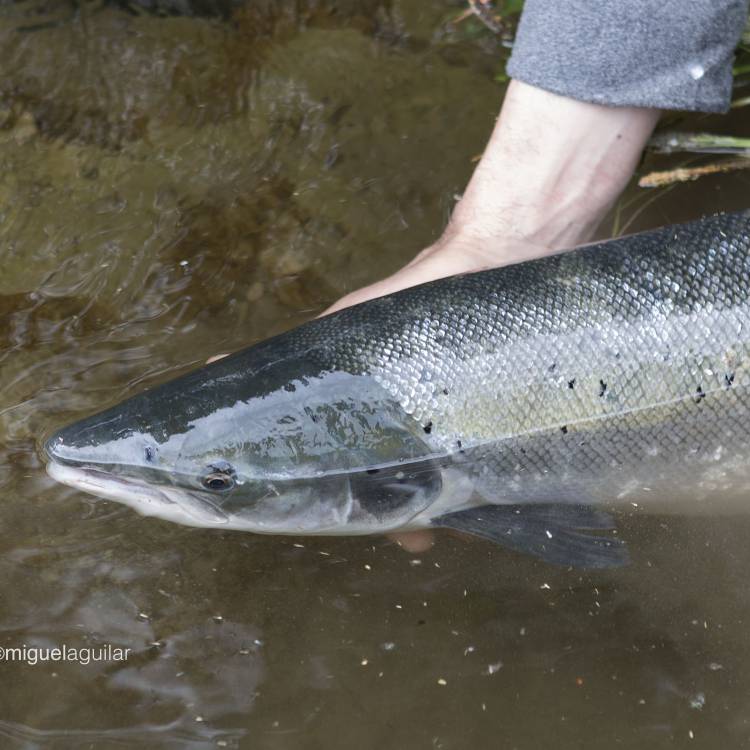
(218, 482)
(220, 477)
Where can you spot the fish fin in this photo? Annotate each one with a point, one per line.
(553, 532)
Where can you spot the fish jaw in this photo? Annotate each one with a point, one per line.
(168, 503)
(181, 506)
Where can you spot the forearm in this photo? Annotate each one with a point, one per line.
(551, 170)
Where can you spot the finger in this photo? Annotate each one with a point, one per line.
(414, 541)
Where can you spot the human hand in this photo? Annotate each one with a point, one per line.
(449, 256)
(550, 172)
(455, 253)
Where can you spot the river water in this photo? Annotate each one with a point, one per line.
(176, 186)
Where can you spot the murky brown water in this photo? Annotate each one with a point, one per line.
(175, 187)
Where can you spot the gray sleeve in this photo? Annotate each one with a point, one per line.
(669, 54)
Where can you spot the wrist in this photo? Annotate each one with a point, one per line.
(551, 170)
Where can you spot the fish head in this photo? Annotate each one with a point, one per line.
(284, 448)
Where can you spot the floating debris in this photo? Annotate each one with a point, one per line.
(686, 174)
(698, 701)
(494, 668)
(699, 143)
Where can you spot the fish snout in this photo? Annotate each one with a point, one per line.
(72, 446)
(88, 444)
(57, 449)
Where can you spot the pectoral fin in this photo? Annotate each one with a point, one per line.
(553, 532)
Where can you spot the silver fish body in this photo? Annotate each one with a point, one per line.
(511, 403)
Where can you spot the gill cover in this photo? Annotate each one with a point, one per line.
(327, 450)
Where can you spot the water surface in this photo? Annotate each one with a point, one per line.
(176, 186)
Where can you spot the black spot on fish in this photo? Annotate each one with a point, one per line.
(728, 379)
(564, 429)
(149, 454)
(700, 394)
(572, 383)
(445, 391)
(602, 388)
(428, 428)
(551, 368)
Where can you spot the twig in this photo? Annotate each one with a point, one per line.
(685, 174)
(467, 13)
(699, 143)
(482, 9)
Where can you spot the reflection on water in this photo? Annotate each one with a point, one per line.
(174, 186)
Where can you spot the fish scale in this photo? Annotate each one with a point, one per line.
(628, 314)
(510, 403)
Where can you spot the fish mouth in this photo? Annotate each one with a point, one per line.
(169, 503)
